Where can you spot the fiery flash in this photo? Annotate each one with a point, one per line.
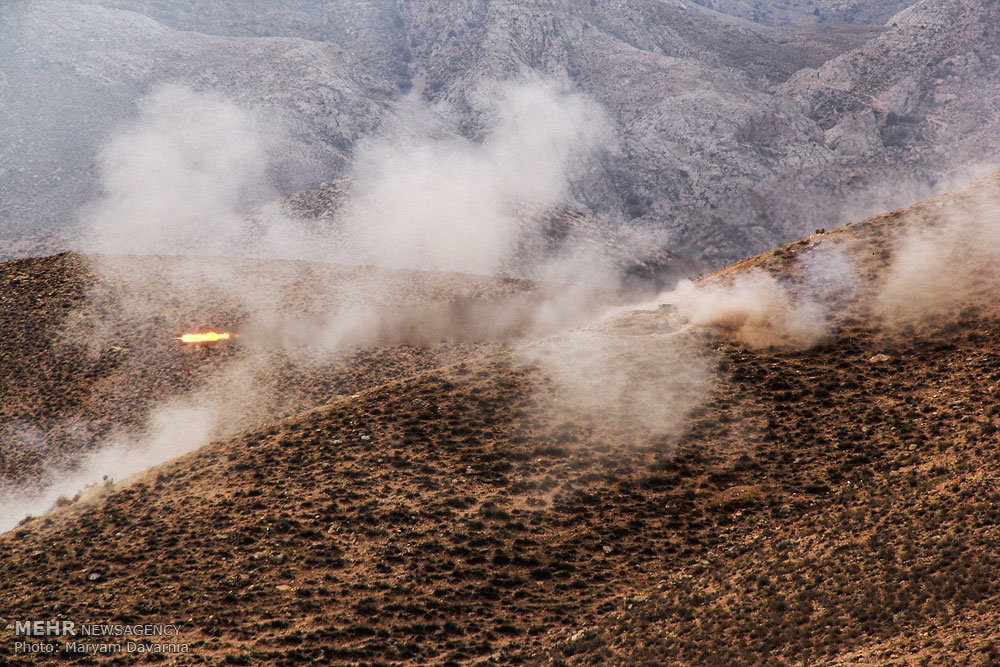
(208, 337)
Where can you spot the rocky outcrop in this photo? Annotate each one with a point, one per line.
(731, 136)
(774, 12)
(75, 72)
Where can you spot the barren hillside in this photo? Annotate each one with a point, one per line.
(831, 503)
(82, 360)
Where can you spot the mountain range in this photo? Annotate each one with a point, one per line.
(729, 135)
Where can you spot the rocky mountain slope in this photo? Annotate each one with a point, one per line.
(913, 89)
(73, 73)
(800, 12)
(833, 503)
(723, 139)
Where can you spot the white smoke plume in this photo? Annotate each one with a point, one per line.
(642, 365)
(950, 262)
(174, 428)
(185, 176)
(447, 203)
(755, 309)
(175, 180)
(651, 379)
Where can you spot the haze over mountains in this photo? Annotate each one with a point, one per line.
(723, 135)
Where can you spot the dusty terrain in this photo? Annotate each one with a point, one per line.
(81, 359)
(450, 504)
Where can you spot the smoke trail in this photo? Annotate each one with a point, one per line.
(174, 428)
(182, 177)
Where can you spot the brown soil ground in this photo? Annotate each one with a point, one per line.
(821, 506)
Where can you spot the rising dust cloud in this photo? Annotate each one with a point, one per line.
(448, 203)
(944, 267)
(755, 309)
(188, 177)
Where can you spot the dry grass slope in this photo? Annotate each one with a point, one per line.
(828, 505)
